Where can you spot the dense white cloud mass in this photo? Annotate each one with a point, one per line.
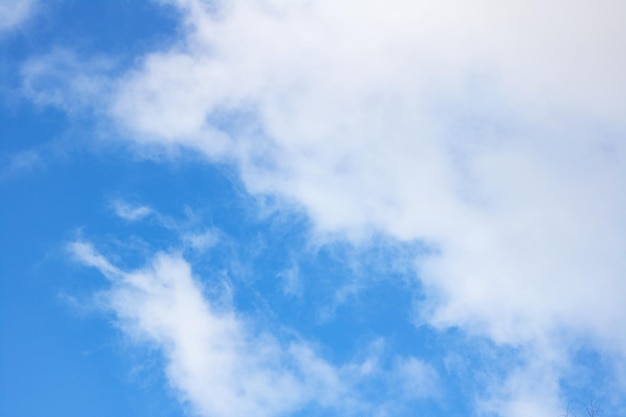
(217, 363)
(491, 130)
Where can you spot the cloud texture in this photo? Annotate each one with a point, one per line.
(492, 131)
(14, 13)
(448, 122)
(214, 359)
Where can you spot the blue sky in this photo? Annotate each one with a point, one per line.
(278, 208)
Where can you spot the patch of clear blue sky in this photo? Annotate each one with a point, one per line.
(55, 360)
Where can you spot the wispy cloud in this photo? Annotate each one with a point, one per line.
(449, 123)
(530, 389)
(14, 13)
(85, 253)
(416, 379)
(224, 364)
(60, 78)
(19, 163)
(216, 360)
(292, 282)
(189, 230)
(25, 161)
(130, 212)
(201, 241)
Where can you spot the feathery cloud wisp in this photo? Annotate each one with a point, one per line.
(215, 361)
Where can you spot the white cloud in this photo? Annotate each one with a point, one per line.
(292, 282)
(13, 13)
(491, 130)
(416, 379)
(450, 122)
(186, 228)
(62, 79)
(530, 389)
(19, 162)
(201, 241)
(86, 254)
(215, 360)
(130, 212)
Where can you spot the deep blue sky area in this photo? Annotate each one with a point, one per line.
(58, 356)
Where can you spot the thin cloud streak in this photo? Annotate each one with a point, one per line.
(130, 212)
